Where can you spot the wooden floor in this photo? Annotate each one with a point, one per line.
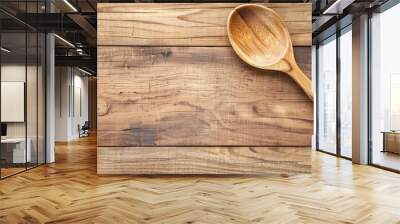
(5, 172)
(69, 191)
(386, 159)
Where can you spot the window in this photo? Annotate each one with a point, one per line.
(326, 104)
(335, 73)
(346, 92)
(385, 89)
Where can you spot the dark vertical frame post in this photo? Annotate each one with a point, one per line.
(37, 90)
(26, 86)
(369, 37)
(316, 97)
(1, 53)
(73, 91)
(338, 76)
(45, 88)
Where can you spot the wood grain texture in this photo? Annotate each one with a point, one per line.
(170, 85)
(193, 96)
(186, 24)
(203, 160)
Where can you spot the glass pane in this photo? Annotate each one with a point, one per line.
(385, 93)
(346, 94)
(32, 90)
(13, 88)
(41, 98)
(31, 98)
(327, 96)
(22, 89)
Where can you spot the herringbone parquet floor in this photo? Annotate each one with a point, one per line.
(69, 191)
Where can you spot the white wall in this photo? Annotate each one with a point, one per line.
(80, 110)
(70, 84)
(12, 73)
(62, 81)
(13, 101)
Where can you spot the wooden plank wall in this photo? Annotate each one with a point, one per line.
(200, 24)
(173, 98)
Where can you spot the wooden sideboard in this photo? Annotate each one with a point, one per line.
(173, 97)
(391, 142)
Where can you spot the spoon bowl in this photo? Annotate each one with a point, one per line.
(261, 39)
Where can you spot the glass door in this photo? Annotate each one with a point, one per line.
(334, 98)
(345, 93)
(385, 89)
(326, 104)
(23, 90)
(13, 103)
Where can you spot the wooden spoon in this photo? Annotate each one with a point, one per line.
(261, 39)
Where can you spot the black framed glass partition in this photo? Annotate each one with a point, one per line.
(380, 75)
(13, 86)
(326, 100)
(22, 88)
(345, 92)
(385, 88)
(334, 86)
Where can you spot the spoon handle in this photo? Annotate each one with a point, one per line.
(302, 80)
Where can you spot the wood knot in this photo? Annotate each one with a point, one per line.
(166, 53)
